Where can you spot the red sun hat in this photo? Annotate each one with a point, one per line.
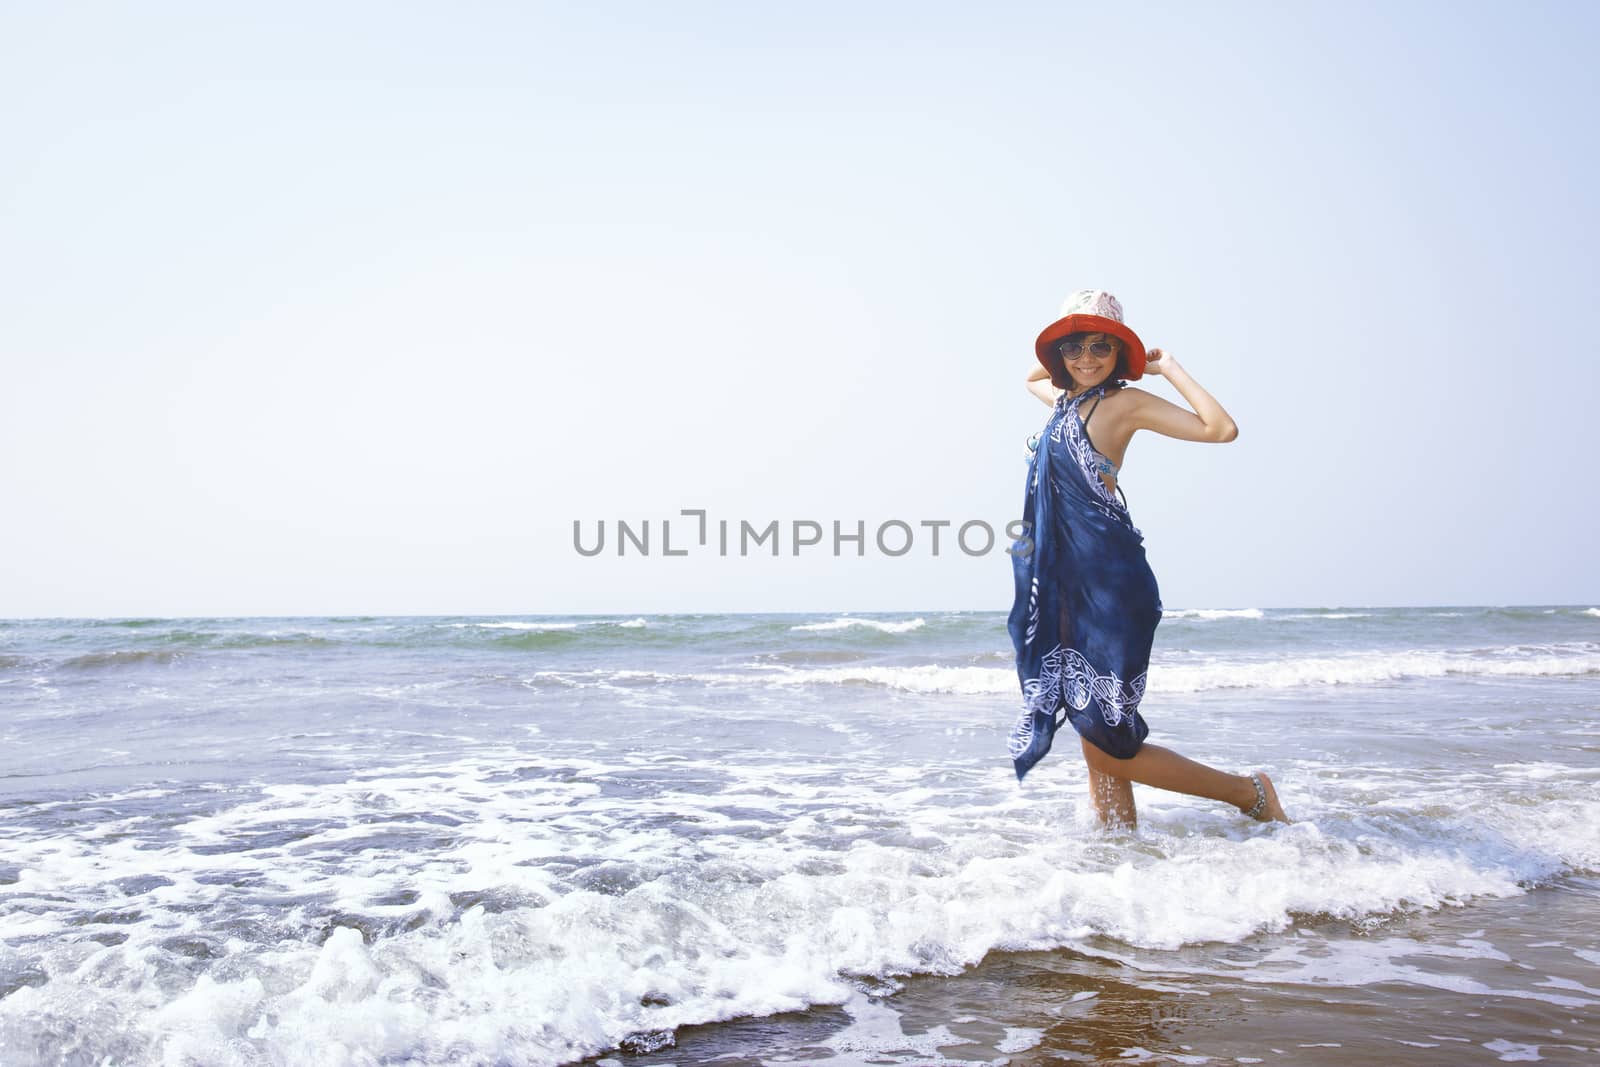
(1089, 311)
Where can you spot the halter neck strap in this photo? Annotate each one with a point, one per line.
(1093, 390)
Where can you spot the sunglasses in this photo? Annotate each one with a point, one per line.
(1074, 349)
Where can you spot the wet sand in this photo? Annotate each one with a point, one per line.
(1513, 980)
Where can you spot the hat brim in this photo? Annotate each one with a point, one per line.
(1046, 346)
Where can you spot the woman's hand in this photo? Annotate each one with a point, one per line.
(1156, 362)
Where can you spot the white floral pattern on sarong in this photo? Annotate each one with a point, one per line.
(1066, 675)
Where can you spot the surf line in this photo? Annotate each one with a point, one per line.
(892, 537)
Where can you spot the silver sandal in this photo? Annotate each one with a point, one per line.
(1261, 797)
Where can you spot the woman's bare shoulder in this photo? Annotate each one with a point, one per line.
(1133, 400)
(1127, 398)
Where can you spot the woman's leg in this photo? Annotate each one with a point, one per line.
(1165, 769)
(1112, 798)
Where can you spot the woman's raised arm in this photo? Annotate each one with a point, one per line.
(1039, 384)
(1207, 422)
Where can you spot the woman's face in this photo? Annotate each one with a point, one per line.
(1086, 366)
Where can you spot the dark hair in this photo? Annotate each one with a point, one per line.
(1058, 366)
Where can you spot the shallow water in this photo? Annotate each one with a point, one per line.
(780, 838)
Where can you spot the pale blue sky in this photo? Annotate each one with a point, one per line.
(340, 308)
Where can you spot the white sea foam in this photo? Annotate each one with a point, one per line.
(1513, 1052)
(1592, 611)
(1555, 660)
(344, 922)
(1214, 613)
(633, 624)
(1330, 615)
(1020, 1039)
(845, 622)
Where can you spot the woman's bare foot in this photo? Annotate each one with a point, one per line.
(1266, 801)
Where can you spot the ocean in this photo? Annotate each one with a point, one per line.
(770, 838)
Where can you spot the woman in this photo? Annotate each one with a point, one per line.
(1086, 603)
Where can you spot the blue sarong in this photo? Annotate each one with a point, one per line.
(1086, 604)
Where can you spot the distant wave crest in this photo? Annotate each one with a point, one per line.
(541, 627)
(123, 658)
(1364, 668)
(1214, 613)
(847, 621)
